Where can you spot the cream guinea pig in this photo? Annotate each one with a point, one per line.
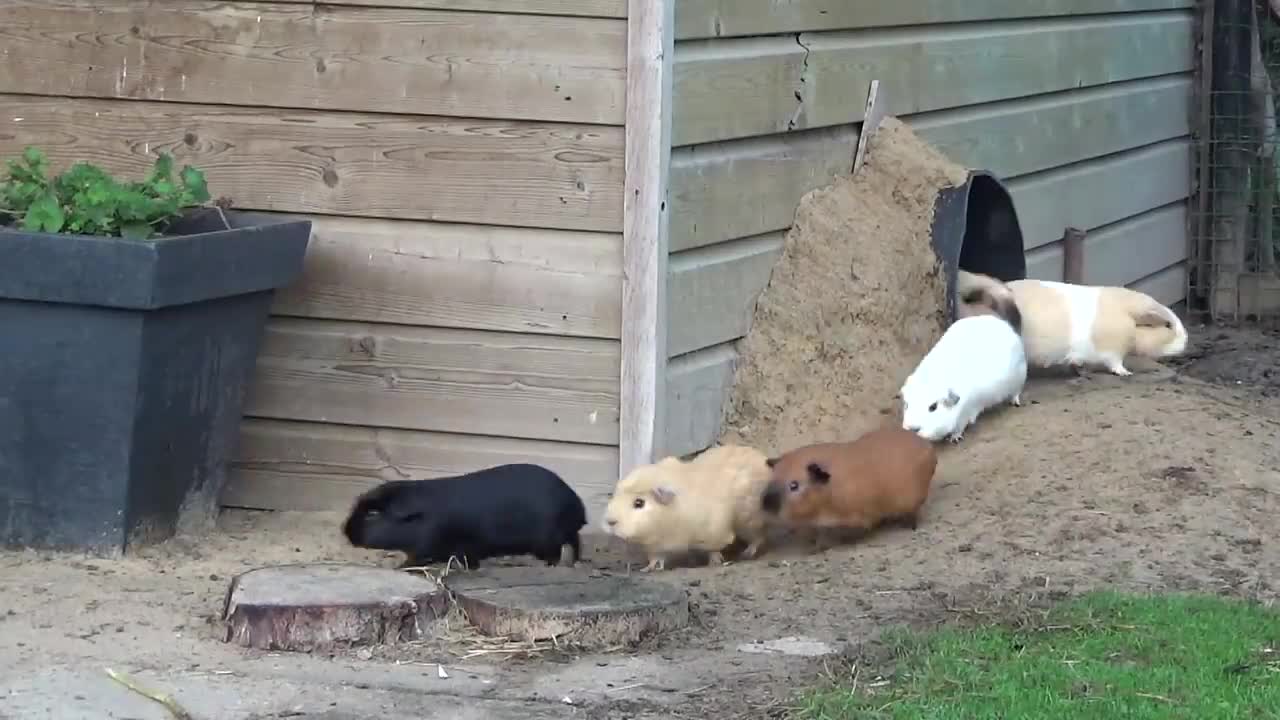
(705, 504)
(1076, 325)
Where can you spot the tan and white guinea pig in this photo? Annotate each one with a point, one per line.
(673, 506)
(882, 476)
(1099, 325)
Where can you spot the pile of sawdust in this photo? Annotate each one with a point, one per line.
(857, 298)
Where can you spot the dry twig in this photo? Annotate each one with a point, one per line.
(164, 699)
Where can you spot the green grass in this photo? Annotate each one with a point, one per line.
(1099, 656)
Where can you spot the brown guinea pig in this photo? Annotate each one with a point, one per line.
(883, 475)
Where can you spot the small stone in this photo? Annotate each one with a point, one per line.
(792, 645)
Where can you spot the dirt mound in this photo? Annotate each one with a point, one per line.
(854, 302)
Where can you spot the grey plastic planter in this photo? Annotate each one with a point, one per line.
(123, 369)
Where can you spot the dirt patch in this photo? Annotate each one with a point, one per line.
(1234, 356)
(1136, 483)
(855, 298)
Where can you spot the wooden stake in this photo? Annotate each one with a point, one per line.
(872, 116)
(1073, 256)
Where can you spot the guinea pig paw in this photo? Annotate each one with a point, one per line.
(1016, 400)
(655, 564)
(955, 438)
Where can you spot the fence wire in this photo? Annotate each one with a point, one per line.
(1235, 211)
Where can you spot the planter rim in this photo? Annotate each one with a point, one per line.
(199, 259)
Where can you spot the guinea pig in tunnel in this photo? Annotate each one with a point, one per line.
(515, 509)
(705, 504)
(882, 476)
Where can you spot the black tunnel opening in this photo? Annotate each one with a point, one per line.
(975, 228)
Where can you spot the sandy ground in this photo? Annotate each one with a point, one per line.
(1167, 479)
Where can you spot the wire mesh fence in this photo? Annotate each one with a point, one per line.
(1235, 205)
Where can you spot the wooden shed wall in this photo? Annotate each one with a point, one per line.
(1082, 105)
(463, 164)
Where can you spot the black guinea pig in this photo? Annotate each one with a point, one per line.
(516, 509)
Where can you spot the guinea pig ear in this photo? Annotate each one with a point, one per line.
(772, 461)
(951, 399)
(663, 495)
(818, 473)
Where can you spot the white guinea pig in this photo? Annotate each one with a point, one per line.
(979, 362)
(1066, 324)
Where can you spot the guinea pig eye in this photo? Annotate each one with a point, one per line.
(793, 486)
(637, 503)
(933, 406)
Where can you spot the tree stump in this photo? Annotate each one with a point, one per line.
(325, 605)
(567, 605)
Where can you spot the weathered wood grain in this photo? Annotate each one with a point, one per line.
(696, 392)
(1167, 286)
(730, 18)
(1100, 191)
(485, 171)
(586, 611)
(466, 381)
(714, 291)
(737, 88)
(757, 86)
(1059, 129)
(326, 606)
(430, 62)
(316, 467)
(460, 276)
(1123, 252)
(574, 8)
(646, 222)
(746, 187)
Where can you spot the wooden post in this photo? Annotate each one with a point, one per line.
(1073, 256)
(645, 218)
(872, 116)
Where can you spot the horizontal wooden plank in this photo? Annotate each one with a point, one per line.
(429, 62)
(1123, 252)
(486, 171)
(730, 18)
(460, 276)
(697, 385)
(1054, 130)
(1100, 191)
(464, 381)
(712, 291)
(573, 8)
(746, 187)
(758, 86)
(1168, 286)
(316, 467)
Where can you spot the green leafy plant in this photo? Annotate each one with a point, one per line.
(85, 199)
